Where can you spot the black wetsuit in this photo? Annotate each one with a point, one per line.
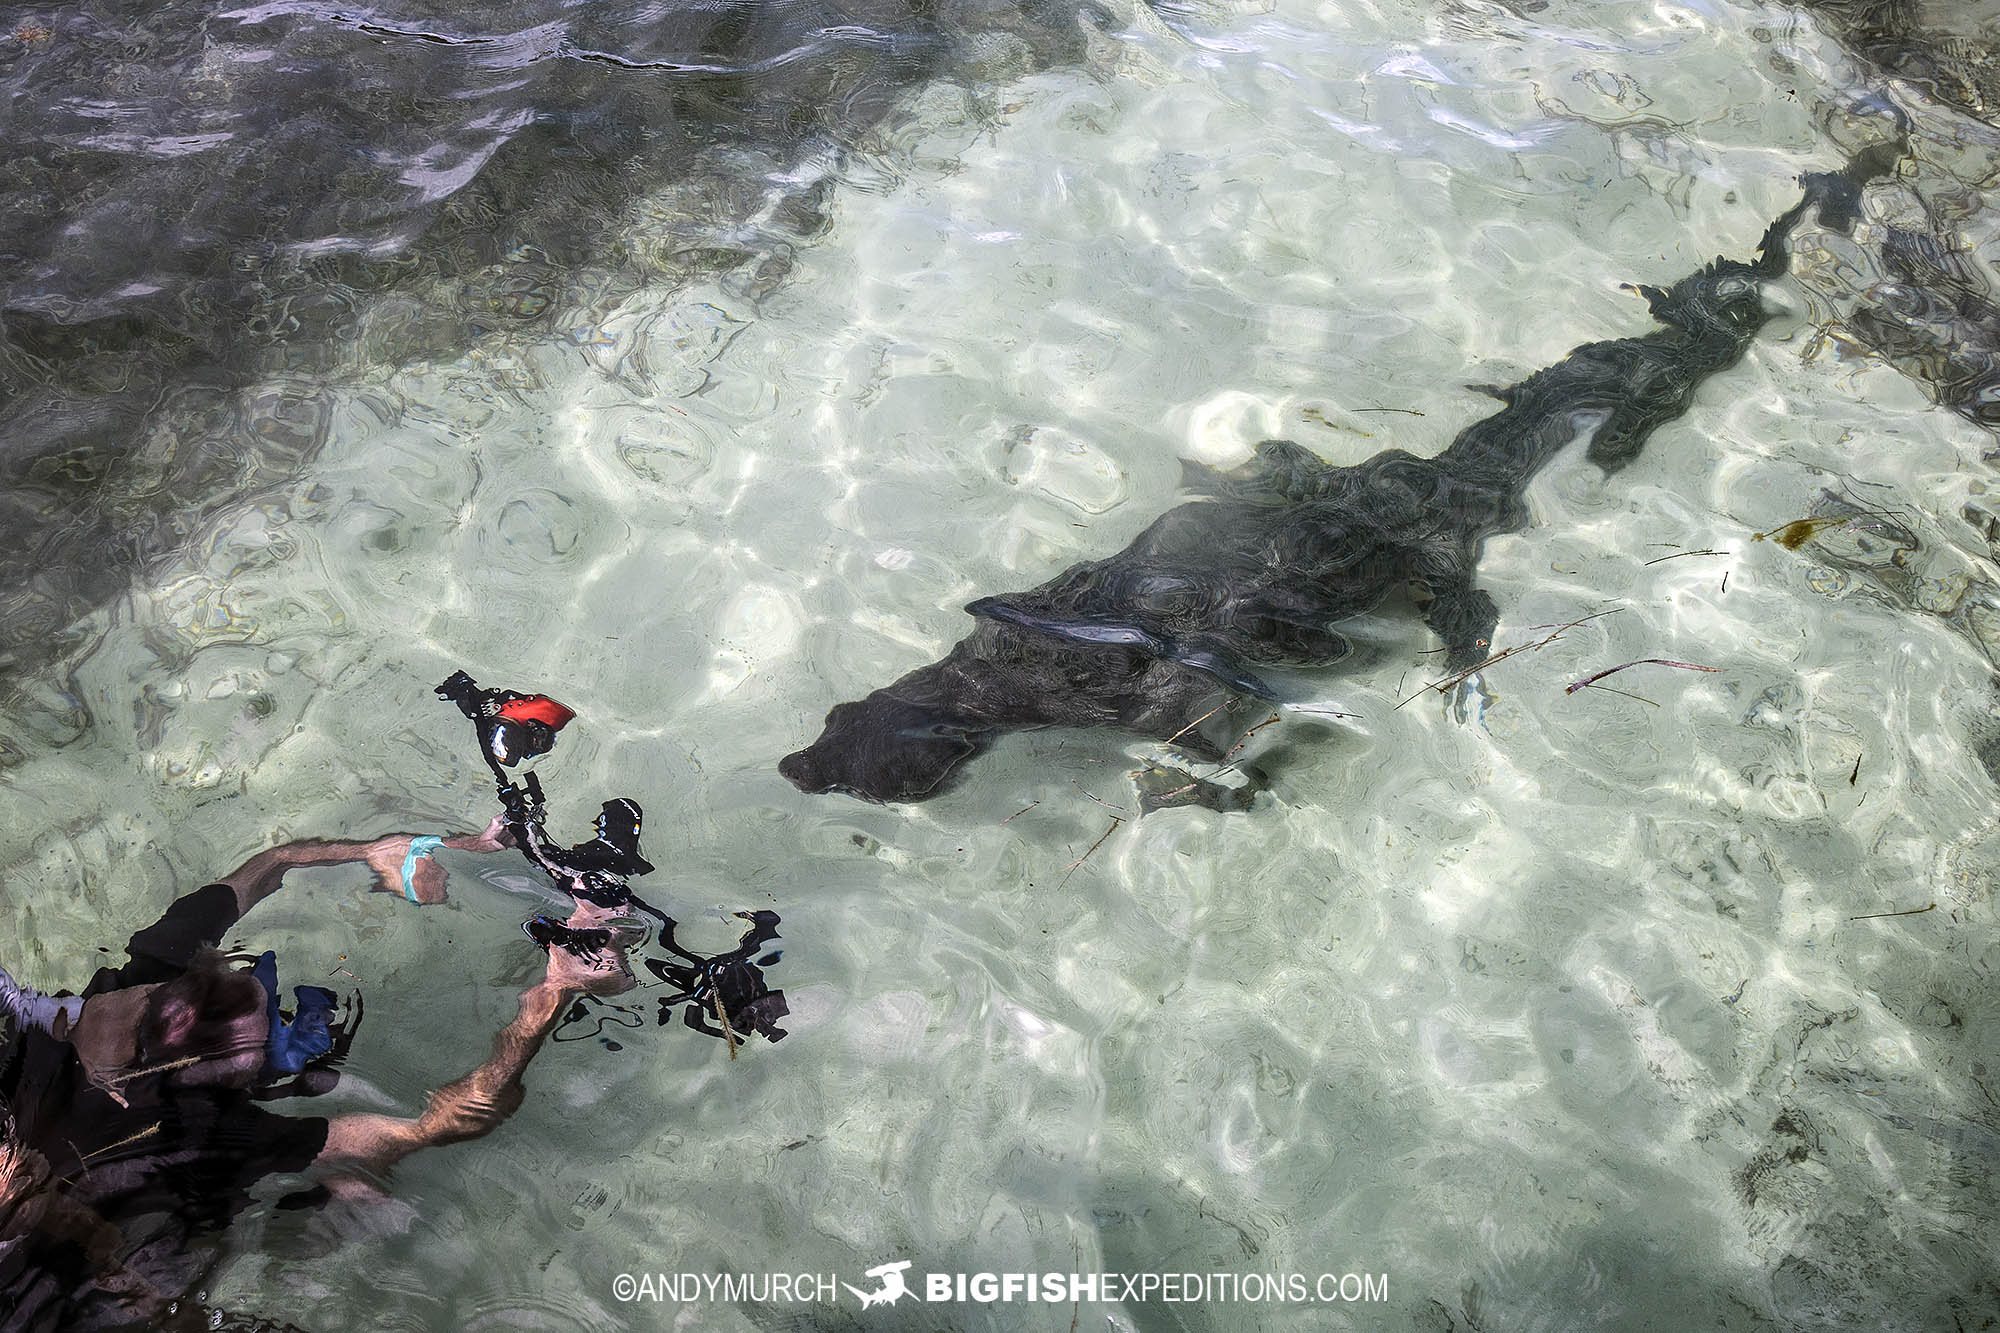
(169, 1171)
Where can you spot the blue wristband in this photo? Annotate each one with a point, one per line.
(420, 848)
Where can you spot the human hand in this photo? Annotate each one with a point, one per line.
(494, 837)
(386, 856)
(587, 953)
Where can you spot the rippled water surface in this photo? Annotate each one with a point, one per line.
(1559, 1009)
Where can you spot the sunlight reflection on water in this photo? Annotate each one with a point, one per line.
(1530, 1012)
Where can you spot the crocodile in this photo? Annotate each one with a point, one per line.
(1276, 553)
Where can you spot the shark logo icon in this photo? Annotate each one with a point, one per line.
(892, 1289)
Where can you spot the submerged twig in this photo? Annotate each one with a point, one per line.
(1640, 698)
(1657, 661)
(1197, 722)
(1018, 813)
(1799, 531)
(1443, 685)
(83, 1158)
(1070, 869)
(1100, 800)
(1244, 740)
(145, 1133)
(1678, 554)
(1313, 414)
(1897, 517)
(1913, 911)
(1076, 1305)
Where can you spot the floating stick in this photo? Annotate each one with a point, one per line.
(1657, 661)
(722, 1017)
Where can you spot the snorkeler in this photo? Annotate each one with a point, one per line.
(130, 1130)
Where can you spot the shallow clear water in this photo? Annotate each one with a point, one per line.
(1552, 1007)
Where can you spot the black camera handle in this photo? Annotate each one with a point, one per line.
(526, 808)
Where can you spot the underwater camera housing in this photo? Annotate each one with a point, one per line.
(597, 870)
(511, 726)
(616, 846)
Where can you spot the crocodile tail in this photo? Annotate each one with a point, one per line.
(1619, 391)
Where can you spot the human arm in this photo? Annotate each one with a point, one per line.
(263, 874)
(478, 1103)
(466, 1108)
(197, 919)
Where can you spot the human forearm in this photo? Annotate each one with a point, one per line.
(466, 1108)
(476, 1104)
(263, 874)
